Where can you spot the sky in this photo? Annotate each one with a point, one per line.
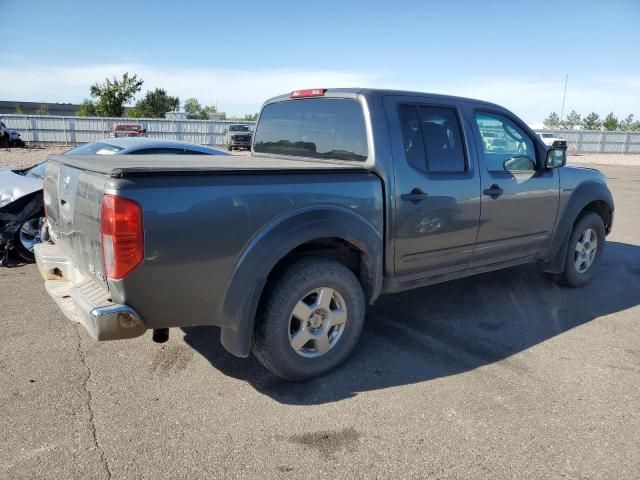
(236, 54)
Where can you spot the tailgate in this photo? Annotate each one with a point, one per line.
(73, 199)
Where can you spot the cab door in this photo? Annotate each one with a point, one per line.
(520, 197)
(436, 187)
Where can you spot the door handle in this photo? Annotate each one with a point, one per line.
(494, 192)
(415, 197)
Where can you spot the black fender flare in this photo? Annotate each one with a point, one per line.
(586, 193)
(273, 243)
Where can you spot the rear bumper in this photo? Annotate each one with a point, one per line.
(85, 301)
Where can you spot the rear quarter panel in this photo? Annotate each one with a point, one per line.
(197, 227)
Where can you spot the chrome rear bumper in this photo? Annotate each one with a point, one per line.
(85, 301)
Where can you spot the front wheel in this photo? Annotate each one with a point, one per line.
(584, 251)
(310, 319)
(26, 238)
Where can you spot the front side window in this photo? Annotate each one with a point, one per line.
(329, 128)
(506, 147)
(432, 139)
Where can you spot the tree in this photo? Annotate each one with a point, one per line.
(20, 109)
(87, 109)
(627, 123)
(155, 104)
(198, 112)
(592, 122)
(572, 120)
(552, 121)
(251, 117)
(113, 94)
(611, 122)
(193, 108)
(43, 109)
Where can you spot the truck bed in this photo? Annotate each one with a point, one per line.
(124, 166)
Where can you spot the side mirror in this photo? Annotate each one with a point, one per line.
(556, 158)
(144, 130)
(520, 163)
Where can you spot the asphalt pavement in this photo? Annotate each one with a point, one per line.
(502, 375)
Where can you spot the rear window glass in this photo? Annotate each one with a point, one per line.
(315, 128)
(127, 128)
(95, 148)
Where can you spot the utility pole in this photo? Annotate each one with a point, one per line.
(566, 80)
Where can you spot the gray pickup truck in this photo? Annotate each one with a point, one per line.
(348, 194)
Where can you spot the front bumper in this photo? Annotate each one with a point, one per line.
(85, 301)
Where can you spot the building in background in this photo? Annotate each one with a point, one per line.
(35, 108)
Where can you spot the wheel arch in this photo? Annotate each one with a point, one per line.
(312, 230)
(590, 196)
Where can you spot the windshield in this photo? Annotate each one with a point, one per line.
(239, 128)
(37, 171)
(127, 128)
(95, 148)
(316, 128)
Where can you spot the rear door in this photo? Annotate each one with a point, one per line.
(519, 197)
(436, 187)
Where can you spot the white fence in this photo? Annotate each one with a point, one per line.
(47, 129)
(587, 141)
(77, 130)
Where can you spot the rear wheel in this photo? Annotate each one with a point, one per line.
(584, 251)
(310, 319)
(27, 237)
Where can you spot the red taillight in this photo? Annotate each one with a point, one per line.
(311, 92)
(122, 236)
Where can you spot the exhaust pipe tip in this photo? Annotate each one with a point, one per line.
(160, 335)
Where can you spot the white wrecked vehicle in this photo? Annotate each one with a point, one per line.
(21, 211)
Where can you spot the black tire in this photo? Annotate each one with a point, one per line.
(5, 140)
(230, 148)
(23, 252)
(271, 339)
(571, 277)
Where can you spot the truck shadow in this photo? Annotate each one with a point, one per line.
(448, 329)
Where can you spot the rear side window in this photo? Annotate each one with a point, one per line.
(432, 139)
(315, 128)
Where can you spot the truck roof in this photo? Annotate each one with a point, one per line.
(374, 92)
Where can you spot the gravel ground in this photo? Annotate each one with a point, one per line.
(25, 157)
(502, 375)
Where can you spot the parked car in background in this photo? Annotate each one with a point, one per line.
(551, 140)
(21, 209)
(240, 137)
(349, 194)
(128, 130)
(9, 137)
